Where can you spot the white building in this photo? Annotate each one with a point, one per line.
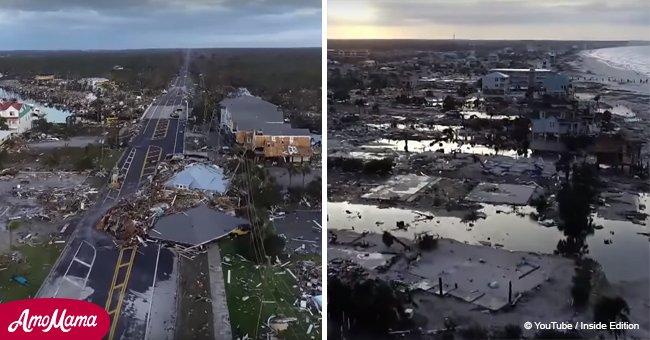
(522, 78)
(495, 83)
(554, 124)
(17, 115)
(94, 82)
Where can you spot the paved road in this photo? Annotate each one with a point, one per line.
(92, 267)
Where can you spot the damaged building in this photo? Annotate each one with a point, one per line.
(260, 127)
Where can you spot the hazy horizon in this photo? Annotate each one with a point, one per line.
(585, 20)
(160, 49)
(488, 39)
(158, 24)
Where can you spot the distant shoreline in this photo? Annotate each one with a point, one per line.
(597, 71)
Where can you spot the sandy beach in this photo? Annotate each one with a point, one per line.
(593, 75)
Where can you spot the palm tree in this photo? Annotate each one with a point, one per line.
(612, 310)
(360, 103)
(291, 169)
(4, 156)
(597, 100)
(305, 170)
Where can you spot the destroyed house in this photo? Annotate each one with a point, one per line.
(259, 127)
(196, 226)
(618, 151)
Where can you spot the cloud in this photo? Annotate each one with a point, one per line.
(547, 15)
(145, 6)
(89, 24)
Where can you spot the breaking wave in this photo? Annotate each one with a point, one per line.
(633, 58)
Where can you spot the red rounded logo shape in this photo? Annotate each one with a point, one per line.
(52, 318)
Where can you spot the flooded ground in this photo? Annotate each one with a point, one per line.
(433, 145)
(627, 258)
(53, 115)
(418, 127)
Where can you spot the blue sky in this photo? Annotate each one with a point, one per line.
(489, 19)
(133, 24)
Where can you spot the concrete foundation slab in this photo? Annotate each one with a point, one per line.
(366, 260)
(401, 187)
(515, 194)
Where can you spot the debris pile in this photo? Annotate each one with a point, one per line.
(309, 277)
(131, 219)
(61, 203)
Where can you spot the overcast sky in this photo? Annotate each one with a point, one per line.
(130, 24)
(489, 19)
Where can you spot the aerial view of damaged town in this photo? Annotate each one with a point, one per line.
(487, 169)
(161, 159)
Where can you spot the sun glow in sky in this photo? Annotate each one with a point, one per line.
(489, 19)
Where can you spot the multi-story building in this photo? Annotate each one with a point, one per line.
(259, 127)
(513, 82)
(17, 115)
(551, 124)
(557, 85)
(495, 83)
(522, 78)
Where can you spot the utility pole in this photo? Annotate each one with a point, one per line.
(101, 158)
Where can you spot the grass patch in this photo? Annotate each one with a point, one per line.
(255, 284)
(111, 156)
(67, 158)
(34, 263)
(15, 225)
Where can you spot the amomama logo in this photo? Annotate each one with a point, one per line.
(52, 319)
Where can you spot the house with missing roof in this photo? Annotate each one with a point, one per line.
(259, 126)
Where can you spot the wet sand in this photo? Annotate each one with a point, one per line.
(604, 79)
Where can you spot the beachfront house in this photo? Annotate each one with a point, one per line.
(550, 125)
(523, 78)
(260, 128)
(619, 151)
(495, 83)
(17, 115)
(557, 85)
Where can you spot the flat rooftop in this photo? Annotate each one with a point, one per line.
(195, 226)
(251, 113)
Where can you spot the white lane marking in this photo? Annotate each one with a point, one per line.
(90, 266)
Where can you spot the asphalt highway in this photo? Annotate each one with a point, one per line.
(92, 267)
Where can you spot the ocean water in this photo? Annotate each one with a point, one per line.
(633, 58)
